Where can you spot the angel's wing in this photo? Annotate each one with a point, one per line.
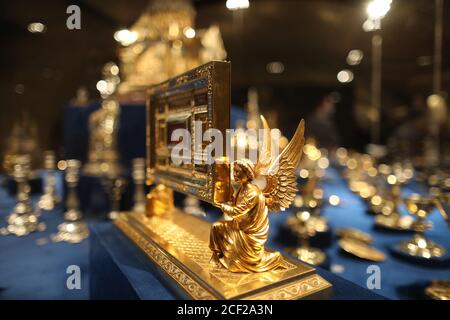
(281, 180)
(265, 152)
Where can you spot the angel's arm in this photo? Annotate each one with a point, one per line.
(242, 207)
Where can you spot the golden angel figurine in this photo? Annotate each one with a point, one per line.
(239, 244)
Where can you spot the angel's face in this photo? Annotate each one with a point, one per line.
(239, 174)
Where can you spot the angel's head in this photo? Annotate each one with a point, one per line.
(243, 170)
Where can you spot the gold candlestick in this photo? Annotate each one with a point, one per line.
(49, 199)
(114, 186)
(139, 180)
(73, 230)
(23, 220)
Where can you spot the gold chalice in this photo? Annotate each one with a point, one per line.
(304, 229)
(390, 217)
(420, 246)
(312, 203)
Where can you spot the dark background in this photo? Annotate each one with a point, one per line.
(311, 38)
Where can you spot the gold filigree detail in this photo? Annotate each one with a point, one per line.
(298, 290)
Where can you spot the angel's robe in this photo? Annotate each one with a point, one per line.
(238, 244)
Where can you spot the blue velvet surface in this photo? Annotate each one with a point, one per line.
(33, 267)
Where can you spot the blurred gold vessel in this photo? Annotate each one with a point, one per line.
(438, 290)
(420, 246)
(305, 227)
(358, 243)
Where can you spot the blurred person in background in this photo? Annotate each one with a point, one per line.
(407, 139)
(320, 124)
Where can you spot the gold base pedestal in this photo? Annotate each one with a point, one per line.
(72, 232)
(22, 224)
(310, 255)
(420, 246)
(178, 246)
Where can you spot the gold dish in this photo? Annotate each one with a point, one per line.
(361, 250)
(394, 222)
(351, 233)
(310, 255)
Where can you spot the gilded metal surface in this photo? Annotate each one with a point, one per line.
(159, 201)
(179, 247)
(238, 244)
(202, 94)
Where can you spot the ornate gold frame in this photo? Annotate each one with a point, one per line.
(211, 82)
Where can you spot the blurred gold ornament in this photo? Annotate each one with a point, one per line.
(420, 246)
(103, 156)
(304, 227)
(361, 250)
(23, 220)
(163, 43)
(438, 290)
(49, 199)
(159, 201)
(396, 176)
(73, 229)
(355, 234)
(23, 140)
(138, 174)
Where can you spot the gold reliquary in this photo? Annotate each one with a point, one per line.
(227, 259)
